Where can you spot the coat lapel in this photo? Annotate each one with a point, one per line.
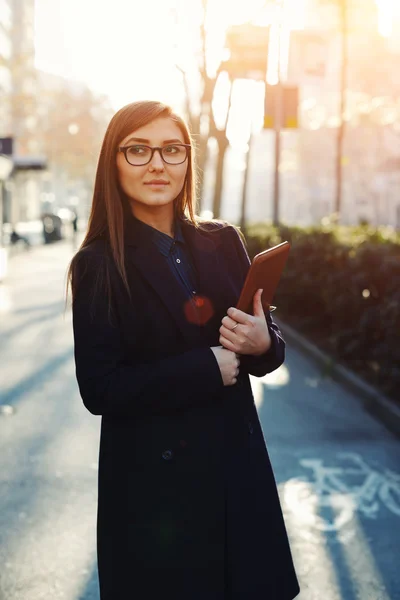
(216, 291)
(144, 254)
(216, 284)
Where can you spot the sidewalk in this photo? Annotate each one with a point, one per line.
(11, 255)
(371, 398)
(48, 442)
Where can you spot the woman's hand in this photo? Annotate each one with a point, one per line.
(246, 334)
(228, 364)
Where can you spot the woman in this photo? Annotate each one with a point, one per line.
(187, 506)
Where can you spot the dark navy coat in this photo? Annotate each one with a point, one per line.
(187, 502)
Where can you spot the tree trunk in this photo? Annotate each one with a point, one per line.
(244, 189)
(222, 148)
(201, 159)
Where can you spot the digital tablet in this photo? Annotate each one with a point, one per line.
(265, 272)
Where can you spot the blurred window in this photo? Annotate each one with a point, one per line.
(5, 12)
(5, 120)
(5, 80)
(5, 44)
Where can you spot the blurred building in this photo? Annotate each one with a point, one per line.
(62, 97)
(395, 35)
(5, 67)
(24, 92)
(363, 15)
(18, 75)
(371, 141)
(55, 123)
(371, 152)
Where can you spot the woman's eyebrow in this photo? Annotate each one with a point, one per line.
(144, 141)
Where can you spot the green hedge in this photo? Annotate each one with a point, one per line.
(341, 288)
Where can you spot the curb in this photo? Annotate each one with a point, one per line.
(379, 405)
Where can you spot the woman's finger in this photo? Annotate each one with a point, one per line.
(258, 310)
(226, 343)
(228, 333)
(228, 322)
(239, 316)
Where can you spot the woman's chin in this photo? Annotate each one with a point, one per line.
(154, 200)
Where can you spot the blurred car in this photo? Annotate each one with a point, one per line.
(52, 228)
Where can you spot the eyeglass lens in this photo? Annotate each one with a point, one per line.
(140, 155)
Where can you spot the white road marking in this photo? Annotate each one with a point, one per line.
(341, 491)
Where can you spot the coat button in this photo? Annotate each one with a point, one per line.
(167, 454)
(250, 427)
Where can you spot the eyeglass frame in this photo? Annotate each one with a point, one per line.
(153, 149)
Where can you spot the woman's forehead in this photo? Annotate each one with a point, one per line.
(160, 131)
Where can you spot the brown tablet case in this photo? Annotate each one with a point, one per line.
(265, 272)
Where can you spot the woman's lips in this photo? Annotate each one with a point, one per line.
(157, 183)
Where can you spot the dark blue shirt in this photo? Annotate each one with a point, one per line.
(176, 255)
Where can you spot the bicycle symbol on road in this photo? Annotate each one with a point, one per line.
(330, 500)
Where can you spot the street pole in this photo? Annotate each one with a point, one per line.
(278, 120)
(245, 181)
(342, 124)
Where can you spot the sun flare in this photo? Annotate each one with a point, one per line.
(138, 56)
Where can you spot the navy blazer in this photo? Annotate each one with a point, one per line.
(188, 505)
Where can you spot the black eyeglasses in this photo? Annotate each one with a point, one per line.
(139, 155)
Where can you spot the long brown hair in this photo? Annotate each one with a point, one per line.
(107, 212)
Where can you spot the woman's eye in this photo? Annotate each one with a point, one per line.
(137, 149)
(172, 149)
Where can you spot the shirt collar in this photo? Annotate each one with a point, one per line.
(163, 241)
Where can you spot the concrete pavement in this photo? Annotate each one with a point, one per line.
(338, 470)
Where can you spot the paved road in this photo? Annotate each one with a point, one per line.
(338, 470)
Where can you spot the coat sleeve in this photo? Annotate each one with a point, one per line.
(108, 383)
(275, 356)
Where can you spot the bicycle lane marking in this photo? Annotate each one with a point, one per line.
(326, 498)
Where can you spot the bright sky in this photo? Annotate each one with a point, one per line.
(124, 47)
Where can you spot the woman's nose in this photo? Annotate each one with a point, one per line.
(157, 162)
